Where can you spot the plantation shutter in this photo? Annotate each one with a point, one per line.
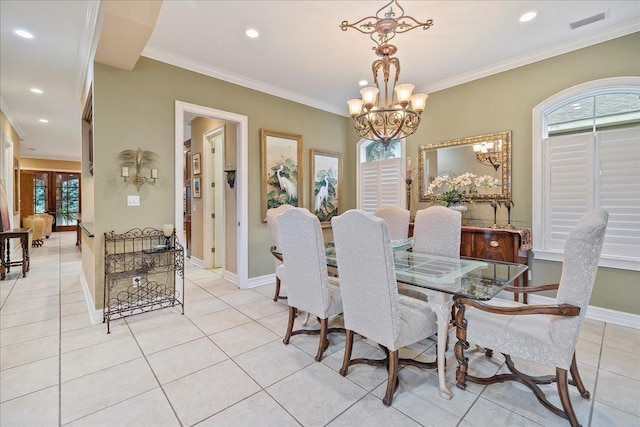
(381, 184)
(568, 185)
(619, 190)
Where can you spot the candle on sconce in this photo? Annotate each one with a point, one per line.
(154, 173)
(409, 168)
(125, 172)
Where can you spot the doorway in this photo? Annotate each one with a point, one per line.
(56, 193)
(237, 231)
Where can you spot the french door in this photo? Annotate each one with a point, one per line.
(57, 193)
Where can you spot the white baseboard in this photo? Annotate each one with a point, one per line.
(95, 316)
(595, 313)
(197, 262)
(232, 277)
(267, 279)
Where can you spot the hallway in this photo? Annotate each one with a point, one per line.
(223, 363)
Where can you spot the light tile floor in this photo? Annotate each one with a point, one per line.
(223, 364)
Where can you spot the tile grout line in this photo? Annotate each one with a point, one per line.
(175, 413)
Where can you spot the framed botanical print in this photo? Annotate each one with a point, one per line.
(281, 172)
(196, 164)
(326, 179)
(196, 187)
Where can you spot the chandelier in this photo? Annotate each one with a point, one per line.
(394, 114)
(489, 154)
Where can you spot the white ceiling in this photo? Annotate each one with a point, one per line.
(301, 53)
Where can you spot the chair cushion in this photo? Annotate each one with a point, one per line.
(279, 271)
(417, 321)
(530, 337)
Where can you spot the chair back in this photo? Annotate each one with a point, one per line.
(582, 251)
(305, 262)
(397, 221)
(272, 223)
(367, 276)
(437, 231)
(581, 257)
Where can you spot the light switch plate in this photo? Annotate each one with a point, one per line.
(133, 200)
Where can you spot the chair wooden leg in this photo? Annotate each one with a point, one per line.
(292, 316)
(324, 342)
(277, 295)
(576, 380)
(392, 378)
(563, 392)
(348, 346)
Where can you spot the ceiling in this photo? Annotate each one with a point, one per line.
(301, 53)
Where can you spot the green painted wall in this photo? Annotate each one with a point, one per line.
(505, 102)
(136, 109)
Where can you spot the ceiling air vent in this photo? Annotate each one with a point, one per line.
(587, 21)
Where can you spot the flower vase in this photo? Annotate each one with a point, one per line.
(458, 206)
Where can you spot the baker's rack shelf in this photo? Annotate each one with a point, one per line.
(147, 255)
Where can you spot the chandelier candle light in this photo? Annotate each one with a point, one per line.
(397, 114)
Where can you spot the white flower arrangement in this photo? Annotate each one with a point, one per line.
(458, 188)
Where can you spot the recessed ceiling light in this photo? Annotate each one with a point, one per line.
(25, 34)
(43, 121)
(251, 33)
(528, 16)
(36, 90)
(363, 82)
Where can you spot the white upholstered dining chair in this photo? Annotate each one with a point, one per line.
(397, 220)
(437, 231)
(372, 306)
(272, 223)
(546, 334)
(304, 272)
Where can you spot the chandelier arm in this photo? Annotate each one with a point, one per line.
(404, 27)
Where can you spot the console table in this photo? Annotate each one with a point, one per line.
(5, 250)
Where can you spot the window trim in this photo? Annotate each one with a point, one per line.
(359, 150)
(592, 88)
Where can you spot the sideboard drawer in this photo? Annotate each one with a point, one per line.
(493, 246)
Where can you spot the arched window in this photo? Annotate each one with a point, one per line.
(586, 155)
(380, 175)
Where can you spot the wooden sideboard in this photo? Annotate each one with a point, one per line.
(497, 244)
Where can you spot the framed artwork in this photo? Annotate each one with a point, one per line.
(196, 187)
(196, 164)
(326, 179)
(281, 172)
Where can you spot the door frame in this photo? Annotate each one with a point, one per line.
(241, 278)
(213, 174)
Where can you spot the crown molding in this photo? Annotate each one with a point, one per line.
(182, 62)
(12, 120)
(624, 29)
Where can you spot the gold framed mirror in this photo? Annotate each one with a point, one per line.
(480, 155)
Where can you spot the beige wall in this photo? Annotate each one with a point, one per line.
(136, 109)
(6, 127)
(31, 163)
(505, 102)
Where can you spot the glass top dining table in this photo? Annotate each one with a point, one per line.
(465, 277)
(437, 280)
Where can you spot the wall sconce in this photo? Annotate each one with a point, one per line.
(231, 174)
(139, 159)
(489, 153)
